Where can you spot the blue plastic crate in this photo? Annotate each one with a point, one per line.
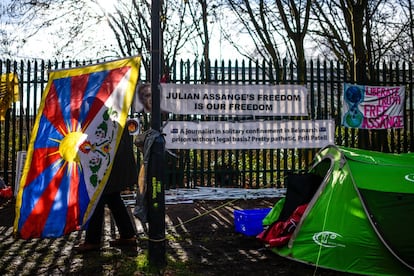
(249, 222)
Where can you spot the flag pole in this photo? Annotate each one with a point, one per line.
(155, 177)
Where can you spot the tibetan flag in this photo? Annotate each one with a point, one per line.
(73, 143)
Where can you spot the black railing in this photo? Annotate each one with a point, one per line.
(241, 168)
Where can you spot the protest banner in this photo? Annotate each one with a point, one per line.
(215, 99)
(373, 107)
(249, 135)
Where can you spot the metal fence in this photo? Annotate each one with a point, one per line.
(242, 168)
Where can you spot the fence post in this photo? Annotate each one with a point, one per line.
(156, 202)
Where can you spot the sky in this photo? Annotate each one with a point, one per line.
(44, 44)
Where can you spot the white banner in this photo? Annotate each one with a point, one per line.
(249, 135)
(260, 100)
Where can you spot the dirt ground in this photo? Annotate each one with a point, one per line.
(201, 240)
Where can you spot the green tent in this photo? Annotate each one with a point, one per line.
(360, 217)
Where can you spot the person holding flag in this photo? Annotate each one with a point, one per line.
(124, 174)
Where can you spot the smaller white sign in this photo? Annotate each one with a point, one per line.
(249, 135)
(21, 159)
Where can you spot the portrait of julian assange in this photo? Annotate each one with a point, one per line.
(142, 102)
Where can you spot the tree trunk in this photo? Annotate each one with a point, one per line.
(300, 51)
(360, 60)
(206, 47)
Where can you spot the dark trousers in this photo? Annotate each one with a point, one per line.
(120, 215)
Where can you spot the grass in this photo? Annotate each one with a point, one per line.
(172, 266)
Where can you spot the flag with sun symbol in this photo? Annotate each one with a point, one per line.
(74, 140)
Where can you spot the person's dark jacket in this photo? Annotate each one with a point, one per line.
(124, 170)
